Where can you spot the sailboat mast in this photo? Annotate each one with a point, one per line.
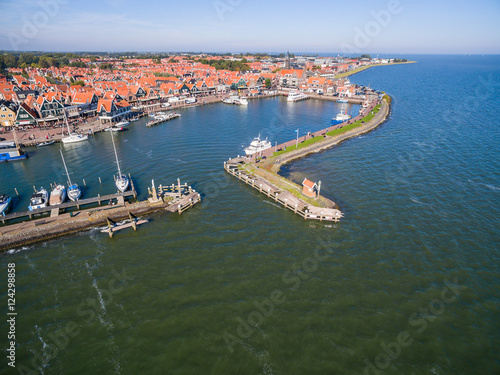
(116, 155)
(65, 168)
(66, 119)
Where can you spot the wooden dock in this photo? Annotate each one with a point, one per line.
(157, 122)
(287, 199)
(56, 210)
(181, 197)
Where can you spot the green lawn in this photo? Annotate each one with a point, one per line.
(332, 132)
(301, 145)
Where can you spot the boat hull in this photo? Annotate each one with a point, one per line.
(4, 207)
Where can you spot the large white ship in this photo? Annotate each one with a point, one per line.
(257, 145)
(295, 96)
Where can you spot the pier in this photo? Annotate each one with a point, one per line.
(282, 196)
(173, 198)
(164, 119)
(56, 210)
(260, 171)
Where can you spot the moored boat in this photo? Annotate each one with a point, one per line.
(73, 137)
(121, 180)
(295, 96)
(46, 143)
(5, 203)
(257, 145)
(74, 191)
(341, 117)
(40, 199)
(57, 195)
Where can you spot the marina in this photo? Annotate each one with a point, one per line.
(175, 198)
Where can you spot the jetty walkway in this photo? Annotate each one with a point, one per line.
(178, 198)
(261, 171)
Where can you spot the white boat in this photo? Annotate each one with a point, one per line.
(243, 100)
(257, 145)
(190, 100)
(114, 129)
(74, 192)
(134, 119)
(57, 195)
(73, 137)
(295, 96)
(39, 200)
(47, 143)
(342, 101)
(121, 180)
(342, 116)
(122, 124)
(7, 144)
(227, 101)
(10, 151)
(5, 202)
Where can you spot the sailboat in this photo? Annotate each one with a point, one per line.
(74, 192)
(73, 137)
(121, 180)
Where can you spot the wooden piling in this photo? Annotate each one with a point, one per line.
(15, 189)
(110, 228)
(132, 221)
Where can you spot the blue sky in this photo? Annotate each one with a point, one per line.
(361, 26)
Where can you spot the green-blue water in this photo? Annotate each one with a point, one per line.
(238, 285)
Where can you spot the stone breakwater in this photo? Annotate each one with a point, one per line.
(31, 232)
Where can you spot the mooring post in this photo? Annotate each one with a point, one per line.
(110, 228)
(16, 192)
(84, 184)
(180, 209)
(132, 220)
(100, 180)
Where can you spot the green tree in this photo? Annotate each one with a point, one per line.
(268, 82)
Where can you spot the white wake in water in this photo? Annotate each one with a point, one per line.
(488, 186)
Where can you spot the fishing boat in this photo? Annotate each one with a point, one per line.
(46, 143)
(295, 96)
(243, 100)
(190, 100)
(57, 195)
(121, 180)
(40, 199)
(342, 116)
(5, 202)
(73, 137)
(227, 101)
(74, 192)
(342, 101)
(257, 145)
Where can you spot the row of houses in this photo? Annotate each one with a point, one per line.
(42, 96)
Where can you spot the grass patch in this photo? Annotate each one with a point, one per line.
(307, 142)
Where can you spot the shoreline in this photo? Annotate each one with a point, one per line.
(359, 70)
